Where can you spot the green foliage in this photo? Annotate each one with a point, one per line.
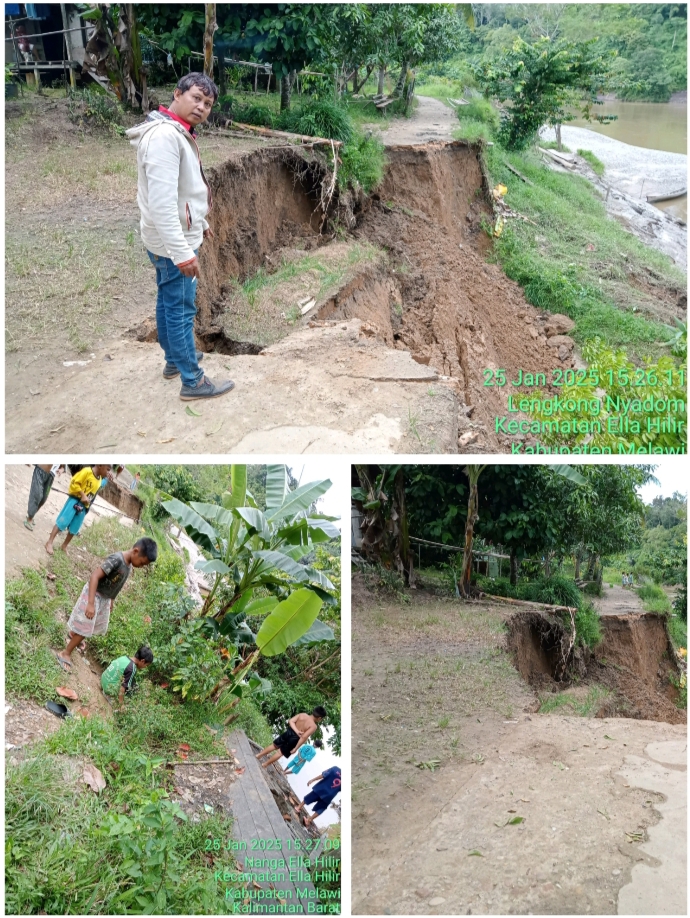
(612, 372)
(555, 591)
(543, 82)
(30, 631)
(362, 162)
(480, 109)
(588, 626)
(176, 481)
(92, 106)
(588, 707)
(191, 660)
(680, 603)
(146, 839)
(597, 166)
(319, 118)
(248, 111)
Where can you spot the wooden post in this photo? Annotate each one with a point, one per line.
(65, 25)
(211, 27)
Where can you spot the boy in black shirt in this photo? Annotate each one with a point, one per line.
(91, 614)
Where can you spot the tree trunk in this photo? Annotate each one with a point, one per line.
(402, 549)
(209, 31)
(285, 93)
(578, 561)
(547, 564)
(558, 137)
(514, 566)
(382, 74)
(400, 85)
(472, 517)
(591, 562)
(357, 86)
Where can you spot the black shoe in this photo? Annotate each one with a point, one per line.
(205, 388)
(170, 371)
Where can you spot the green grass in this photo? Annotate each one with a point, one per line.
(587, 707)
(552, 145)
(597, 166)
(573, 258)
(678, 630)
(59, 856)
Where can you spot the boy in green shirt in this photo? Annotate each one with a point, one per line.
(118, 678)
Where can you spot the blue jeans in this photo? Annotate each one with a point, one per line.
(175, 312)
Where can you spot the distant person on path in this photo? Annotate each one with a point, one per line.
(324, 793)
(306, 754)
(118, 678)
(135, 482)
(83, 489)
(91, 614)
(41, 483)
(299, 729)
(174, 199)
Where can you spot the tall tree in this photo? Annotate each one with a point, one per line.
(209, 31)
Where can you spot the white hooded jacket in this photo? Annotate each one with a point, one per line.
(172, 192)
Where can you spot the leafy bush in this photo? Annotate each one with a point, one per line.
(481, 110)
(500, 586)
(247, 112)
(588, 626)
(555, 590)
(318, 118)
(191, 659)
(94, 107)
(176, 481)
(363, 162)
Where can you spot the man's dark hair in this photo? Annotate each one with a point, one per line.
(318, 744)
(205, 84)
(318, 711)
(147, 547)
(144, 654)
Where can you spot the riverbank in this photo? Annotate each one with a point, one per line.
(636, 171)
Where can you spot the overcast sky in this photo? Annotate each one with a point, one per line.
(672, 476)
(336, 501)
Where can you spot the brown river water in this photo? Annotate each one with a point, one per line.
(655, 125)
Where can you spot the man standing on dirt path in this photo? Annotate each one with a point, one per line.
(174, 199)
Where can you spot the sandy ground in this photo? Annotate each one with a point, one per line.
(637, 171)
(602, 801)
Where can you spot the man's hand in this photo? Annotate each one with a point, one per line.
(191, 269)
(208, 233)
(90, 610)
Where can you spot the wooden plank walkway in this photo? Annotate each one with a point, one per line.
(259, 823)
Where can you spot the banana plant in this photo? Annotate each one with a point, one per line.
(249, 550)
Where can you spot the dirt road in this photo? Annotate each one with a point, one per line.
(617, 601)
(24, 548)
(431, 120)
(602, 802)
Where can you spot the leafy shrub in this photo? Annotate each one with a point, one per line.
(191, 660)
(247, 112)
(588, 625)
(593, 588)
(363, 162)
(176, 481)
(481, 110)
(94, 107)
(318, 118)
(555, 590)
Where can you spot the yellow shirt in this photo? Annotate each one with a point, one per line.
(84, 482)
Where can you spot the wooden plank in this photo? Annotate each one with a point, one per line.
(257, 817)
